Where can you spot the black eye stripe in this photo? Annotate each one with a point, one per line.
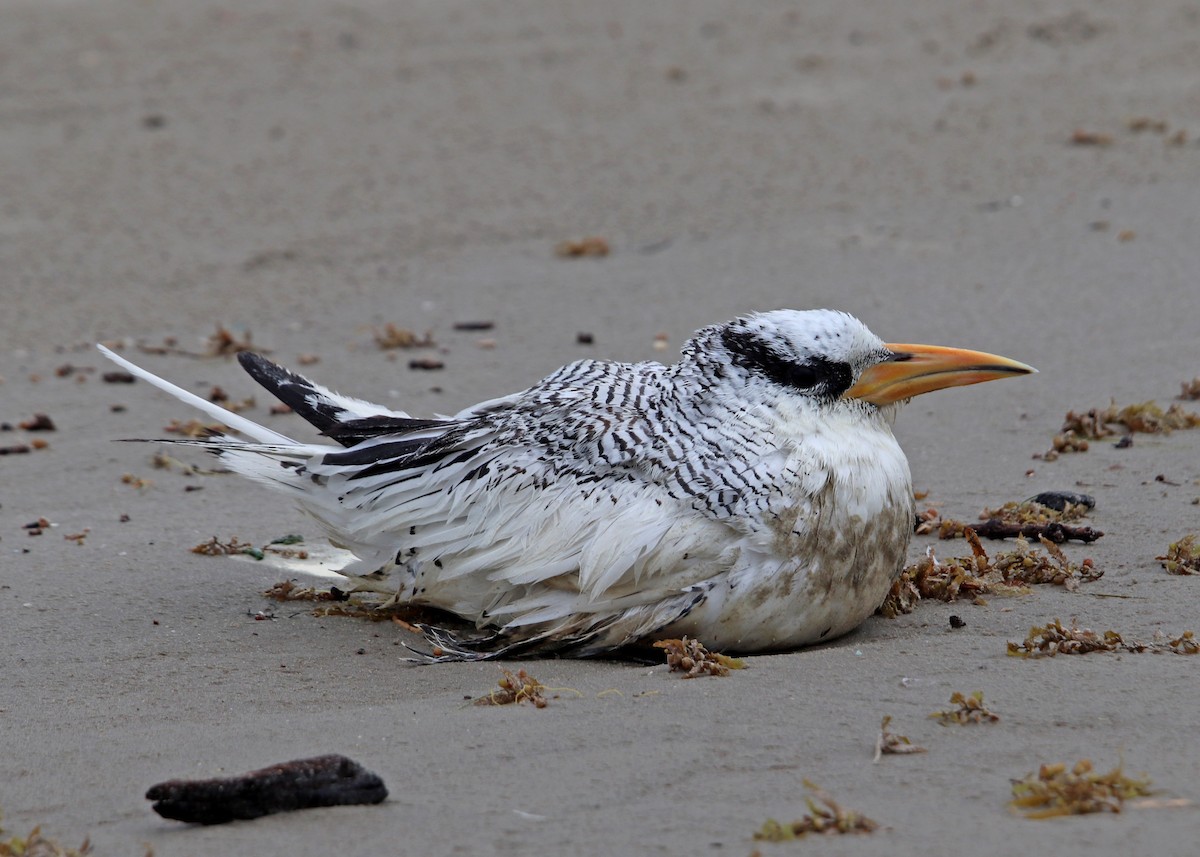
(817, 374)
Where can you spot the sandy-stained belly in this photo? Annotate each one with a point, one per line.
(816, 583)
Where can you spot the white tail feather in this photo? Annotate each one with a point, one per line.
(229, 418)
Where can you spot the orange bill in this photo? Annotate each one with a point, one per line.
(918, 369)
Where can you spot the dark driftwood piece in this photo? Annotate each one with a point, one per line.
(994, 528)
(301, 784)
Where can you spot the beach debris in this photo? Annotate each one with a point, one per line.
(585, 337)
(36, 528)
(331, 780)
(1185, 644)
(1046, 641)
(39, 422)
(1029, 567)
(217, 394)
(195, 428)
(426, 363)
(1050, 531)
(1064, 501)
(474, 325)
(1030, 518)
(67, 370)
(1081, 137)
(692, 659)
(1068, 441)
(889, 743)
(826, 816)
(968, 709)
(592, 246)
(37, 844)
(280, 546)
(1145, 123)
(78, 537)
(1056, 790)
(1145, 417)
(16, 449)
(1183, 556)
(971, 577)
(1052, 639)
(289, 590)
(391, 337)
(138, 482)
(118, 378)
(222, 343)
(515, 688)
(1190, 390)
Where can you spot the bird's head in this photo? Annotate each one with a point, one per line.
(829, 355)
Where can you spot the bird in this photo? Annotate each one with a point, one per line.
(751, 496)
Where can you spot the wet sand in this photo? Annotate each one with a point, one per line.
(307, 173)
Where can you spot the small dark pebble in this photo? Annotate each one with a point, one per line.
(584, 338)
(15, 449)
(153, 121)
(1125, 442)
(474, 325)
(117, 378)
(117, 409)
(301, 784)
(1058, 500)
(426, 363)
(957, 622)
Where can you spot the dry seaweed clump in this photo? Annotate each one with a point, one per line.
(223, 343)
(37, 844)
(1026, 566)
(280, 546)
(289, 590)
(889, 743)
(1056, 790)
(826, 816)
(693, 659)
(1099, 423)
(968, 709)
(1183, 556)
(1068, 441)
(1190, 390)
(392, 336)
(1009, 573)
(1049, 515)
(1185, 644)
(1053, 639)
(516, 688)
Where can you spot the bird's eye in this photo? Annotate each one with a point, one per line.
(801, 376)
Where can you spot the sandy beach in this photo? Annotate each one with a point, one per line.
(1019, 178)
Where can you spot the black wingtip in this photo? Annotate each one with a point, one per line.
(295, 391)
